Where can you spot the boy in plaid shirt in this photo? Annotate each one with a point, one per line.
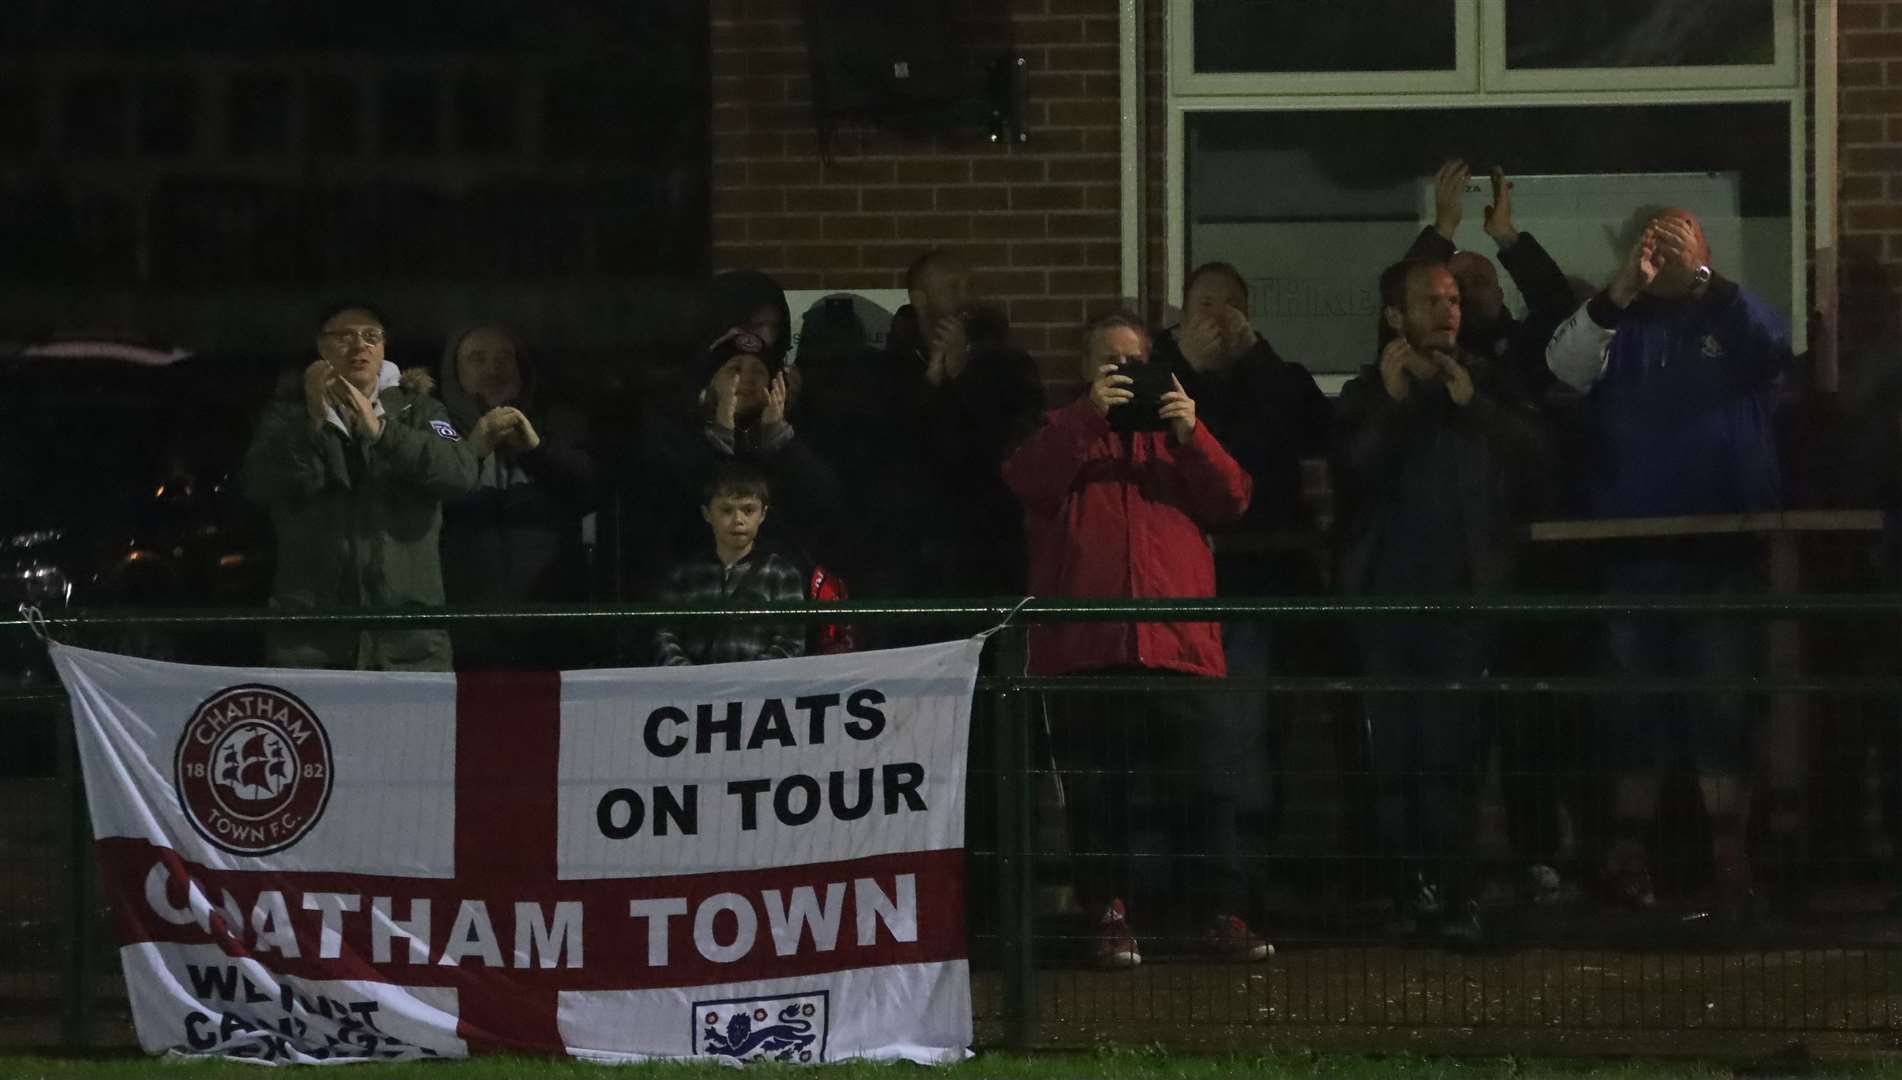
(734, 574)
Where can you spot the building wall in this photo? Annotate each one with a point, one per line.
(1870, 76)
(1041, 220)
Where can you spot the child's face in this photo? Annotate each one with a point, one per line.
(735, 519)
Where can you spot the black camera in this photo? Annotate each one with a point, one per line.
(1148, 382)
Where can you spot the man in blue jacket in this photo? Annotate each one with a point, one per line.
(1681, 368)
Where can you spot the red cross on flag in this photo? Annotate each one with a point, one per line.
(737, 861)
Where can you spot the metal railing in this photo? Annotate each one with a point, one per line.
(1339, 979)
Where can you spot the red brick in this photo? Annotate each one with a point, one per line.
(787, 228)
(1859, 73)
(973, 198)
(1873, 216)
(1871, 46)
(1008, 226)
(1083, 226)
(1859, 17)
(1100, 167)
(730, 256)
(1084, 58)
(1046, 86)
(1871, 102)
(1862, 188)
(728, 119)
(1046, 197)
(1102, 140)
(1065, 141)
(1882, 159)
(1862, 129)
(1083, 7)
(1008, 169)
(1085, 282)
(1102, 31)
(932, 226)
(822, 256)
(752, 200)
(1057, 31)
(1110, 253)
(850, 171)
(823, 199)
(1046, 254)
(983, 255)
(879, 199)
(1061, 312)
(858, 227)
(1095, 113)
(935, 170)
(1010, 283)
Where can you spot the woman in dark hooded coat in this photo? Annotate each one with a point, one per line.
(732, 402)
(517, 538)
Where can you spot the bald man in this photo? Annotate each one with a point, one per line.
(1489, 328)
(1680, 366)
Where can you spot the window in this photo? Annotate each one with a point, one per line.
(1351, 190)
(1300, 138)
(1293, 46)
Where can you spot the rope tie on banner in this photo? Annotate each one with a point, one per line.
(1008, 616)
(36, 622)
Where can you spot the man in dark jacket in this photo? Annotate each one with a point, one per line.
(354, 464)
(1435, 456)
(1680, 367)
(516, 539)
(1269, 415)
(1124, 513)
(972, 396)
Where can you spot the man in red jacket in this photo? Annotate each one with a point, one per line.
(1113, 512)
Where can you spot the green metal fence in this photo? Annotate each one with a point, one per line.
(1819, 960)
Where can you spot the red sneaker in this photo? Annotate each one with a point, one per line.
(1115, 943)
(1229, 938)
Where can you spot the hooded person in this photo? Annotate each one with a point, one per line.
(732, 406)
(353, 461)
(515, 539)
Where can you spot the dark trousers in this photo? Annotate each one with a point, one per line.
(1424, 749)
(1160, 789)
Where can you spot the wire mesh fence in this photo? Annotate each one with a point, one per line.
(1494, 835)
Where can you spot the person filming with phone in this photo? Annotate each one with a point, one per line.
(1119, 489)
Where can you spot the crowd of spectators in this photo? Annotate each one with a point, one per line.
(931, 468)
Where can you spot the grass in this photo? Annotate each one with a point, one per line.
(1121, 1064)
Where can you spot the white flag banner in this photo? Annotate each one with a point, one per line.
(735, 862)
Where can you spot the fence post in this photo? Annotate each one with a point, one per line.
(1016, 869)
(76, 991)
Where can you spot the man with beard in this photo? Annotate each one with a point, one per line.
(1436, 453)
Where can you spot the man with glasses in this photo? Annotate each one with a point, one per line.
(353, 463)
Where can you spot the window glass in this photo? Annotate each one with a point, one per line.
(1296, 36)
(1639, 33)
(1310, 206)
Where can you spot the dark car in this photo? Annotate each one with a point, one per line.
(119, 464)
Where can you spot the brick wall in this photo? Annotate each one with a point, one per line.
(1870, 136)
(1040, 221)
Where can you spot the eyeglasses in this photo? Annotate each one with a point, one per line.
(369, 335)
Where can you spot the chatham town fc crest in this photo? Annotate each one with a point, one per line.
(253, 769)
(791, 1027)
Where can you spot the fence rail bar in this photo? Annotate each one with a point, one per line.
(1026, 611)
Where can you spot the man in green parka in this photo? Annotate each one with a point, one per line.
(353, 466)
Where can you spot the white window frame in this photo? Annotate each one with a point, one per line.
(1185, 81)
(1188, 93)
(1781, 71)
